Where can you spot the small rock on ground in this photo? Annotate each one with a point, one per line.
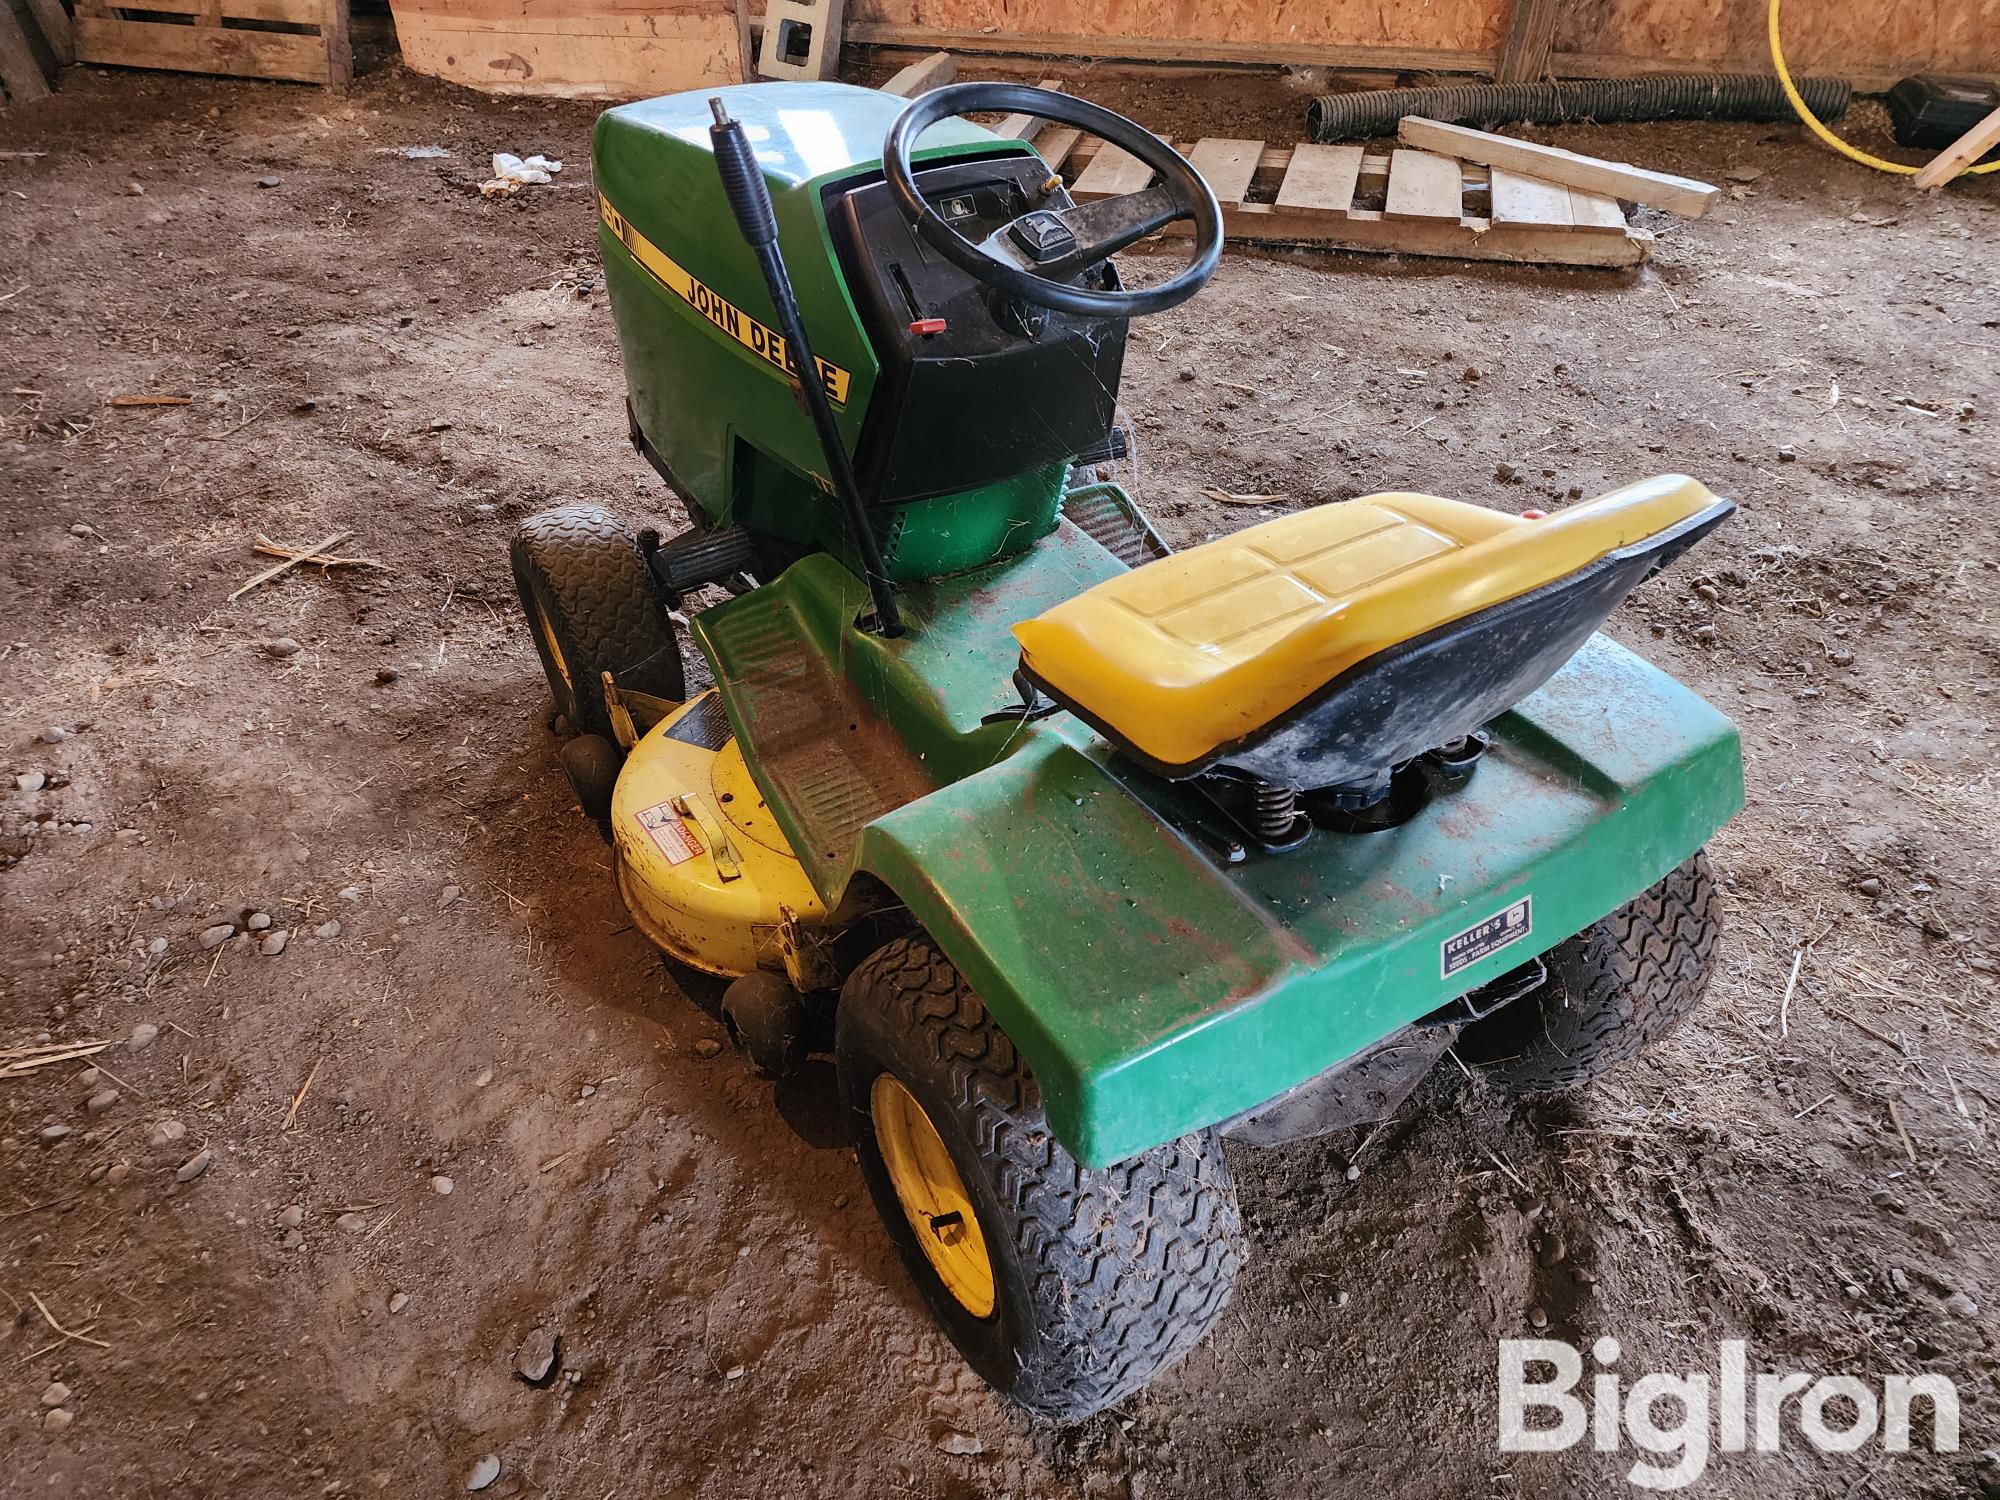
(960, 1444)
(100, 1101)
(327, 930)
(274, 943)
(352, 1223)
(442, 1186)
(484, 1471)
(707, 1047)
(293, 1216)
(145, 1033)
(535, 1360)
(31, 781)
(167, 1132)
(216, 936)
(55, 1394)
(1959, 1305)
(195, 1165)
(58, 1419)
(399, 1301)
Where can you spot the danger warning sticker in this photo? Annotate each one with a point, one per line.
(732, 321)
(669, 833)
(1482, 939)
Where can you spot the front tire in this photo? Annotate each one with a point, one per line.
(1065, 1287)
(1614, 989)
(592, 607)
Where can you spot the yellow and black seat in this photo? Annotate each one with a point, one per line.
(1323, 648)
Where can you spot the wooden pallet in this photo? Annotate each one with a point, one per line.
(303, 40)
(1407, 202)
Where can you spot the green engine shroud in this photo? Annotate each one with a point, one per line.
(1153, 987)
(705, 369)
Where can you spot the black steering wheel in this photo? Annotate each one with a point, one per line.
(1034, 256)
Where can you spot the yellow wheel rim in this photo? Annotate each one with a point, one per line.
(932, 1194)
(547, 632)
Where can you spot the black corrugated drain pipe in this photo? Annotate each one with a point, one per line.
(1678, 96)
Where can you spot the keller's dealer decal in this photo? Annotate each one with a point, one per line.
(1489, 936)
(669, 834)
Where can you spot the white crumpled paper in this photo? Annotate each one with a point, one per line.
(511, 173)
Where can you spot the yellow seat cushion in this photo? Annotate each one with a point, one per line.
(1204, 648)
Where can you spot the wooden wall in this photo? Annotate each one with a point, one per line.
(1870, 41)
(1453, 25)
(1881, 38)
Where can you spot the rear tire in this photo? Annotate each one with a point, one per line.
(1614, 989)
(1100, 1279)
(592, 607)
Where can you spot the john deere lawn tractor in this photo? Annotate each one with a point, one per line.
(1082, 856)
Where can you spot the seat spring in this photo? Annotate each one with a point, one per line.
(1275, 809)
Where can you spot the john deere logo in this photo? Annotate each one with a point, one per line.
(722, 314)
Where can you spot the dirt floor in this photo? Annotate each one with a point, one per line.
(246, 1226)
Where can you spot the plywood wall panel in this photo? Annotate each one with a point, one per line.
(1872, 41)
(1451, 25)
(1884, 38)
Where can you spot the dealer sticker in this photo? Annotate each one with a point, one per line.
(670, 834)
(1488, 937)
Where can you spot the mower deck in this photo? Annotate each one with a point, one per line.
(1155, 982)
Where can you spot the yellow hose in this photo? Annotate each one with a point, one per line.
(1812, 122)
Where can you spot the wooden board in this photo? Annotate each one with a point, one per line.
(1320, 177)
(1423, 185)
(1529, 200)
(55, 27)
(923, 75)
(1531, 34)
(18, 69)
(1961, 153)
(1026, 127)
(572, 49)
(1226, 166)
(1594, 213)
(125, 39)
(1056, 145)
(1681, 195)
(1112, 170)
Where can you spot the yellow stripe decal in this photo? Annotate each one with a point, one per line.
(766, 343)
